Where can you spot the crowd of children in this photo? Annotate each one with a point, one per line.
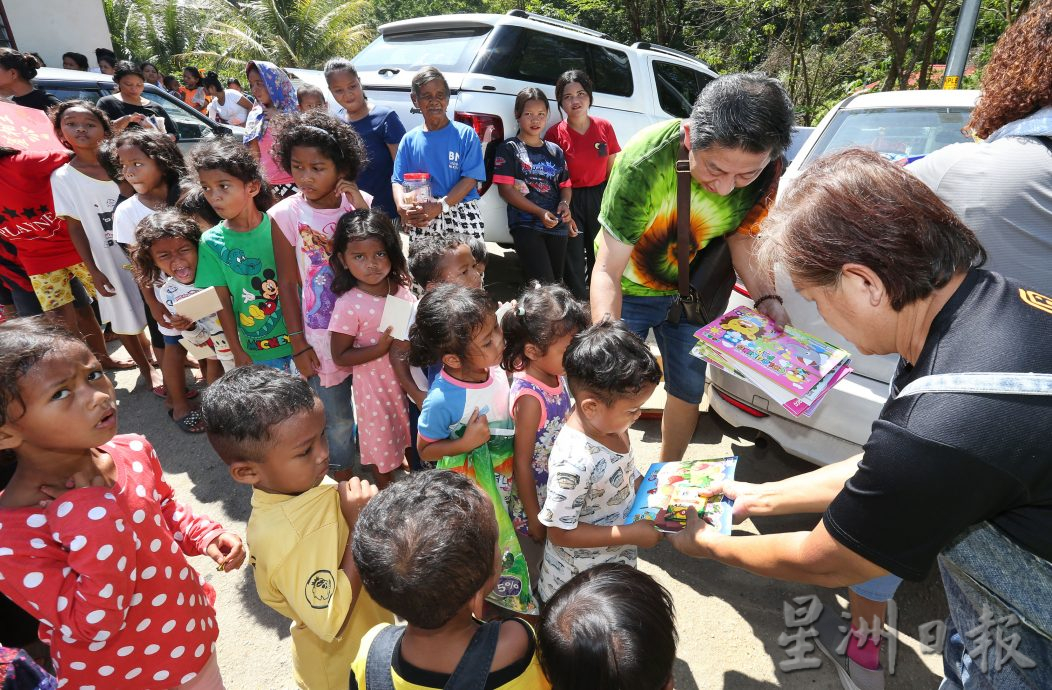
(499, 472)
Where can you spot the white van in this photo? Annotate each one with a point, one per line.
(488, 58)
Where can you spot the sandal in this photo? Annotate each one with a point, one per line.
(192, 423)
(162, 392)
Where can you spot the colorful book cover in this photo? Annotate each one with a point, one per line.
(794, 360)
(669, 488)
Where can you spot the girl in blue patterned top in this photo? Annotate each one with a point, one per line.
(535, 337)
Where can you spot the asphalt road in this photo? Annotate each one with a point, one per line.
(729, 621)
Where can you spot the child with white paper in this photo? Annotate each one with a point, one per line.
(368, 270)
(165, 259)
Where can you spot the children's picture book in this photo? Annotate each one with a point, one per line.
(669, 489)
(199, 305)
(794, 360)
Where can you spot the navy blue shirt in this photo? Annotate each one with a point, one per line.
(378, 129)
(543, 169)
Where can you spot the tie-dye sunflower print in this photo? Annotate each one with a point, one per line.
(639, 208)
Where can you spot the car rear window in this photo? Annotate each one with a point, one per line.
(450, 50)
(899, 134)
(518, 53)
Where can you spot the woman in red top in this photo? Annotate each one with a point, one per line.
(590, 146)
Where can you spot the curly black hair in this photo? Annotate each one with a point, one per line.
(545, 313)
(316, 128)
(447, 319)
(166, 224)
(194, 204)
(364, 224)
(59, 110)
(23, 343)
(610, 362)
(425, 254)
(228, 154)
(24, 63)
(155, 145)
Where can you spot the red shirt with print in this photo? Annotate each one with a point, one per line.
(27, 212)
(586, 154)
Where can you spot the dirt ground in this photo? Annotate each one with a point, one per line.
(729, 621)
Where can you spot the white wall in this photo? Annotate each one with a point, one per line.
(53, 27)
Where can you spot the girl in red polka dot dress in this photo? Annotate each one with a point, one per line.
(92, 541)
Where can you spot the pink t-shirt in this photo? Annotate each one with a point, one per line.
(104, 570)
(309, 231)
(272, 170)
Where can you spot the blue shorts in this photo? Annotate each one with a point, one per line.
(684, 373)
(281, 363)
(878, 589)
(171, 339)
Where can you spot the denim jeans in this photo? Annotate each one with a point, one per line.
(684, 373)
(339, 423)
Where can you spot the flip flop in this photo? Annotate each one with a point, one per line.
(192, 423)
(111, 364)
(162, 392)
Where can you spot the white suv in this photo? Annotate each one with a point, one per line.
(488, 58)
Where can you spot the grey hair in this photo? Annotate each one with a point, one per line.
(428, 74)
(743, 111)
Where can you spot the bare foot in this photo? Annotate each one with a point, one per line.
(116, 364)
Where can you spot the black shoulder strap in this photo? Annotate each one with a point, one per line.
(380, 658)
(1045, 141)
(473, 670)
(683, 180)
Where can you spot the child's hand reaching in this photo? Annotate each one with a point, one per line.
(227, 551)
(354, 494)
(354, 195)
(180, 323)
(643, 534)
(477, 431)
(80, 480)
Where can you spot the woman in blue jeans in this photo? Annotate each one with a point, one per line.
(956, 472)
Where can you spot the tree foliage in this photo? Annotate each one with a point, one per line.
(822, 49)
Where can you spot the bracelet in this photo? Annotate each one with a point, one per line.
(295, 333)
(306, 349)
(564, 203)
(757, 303)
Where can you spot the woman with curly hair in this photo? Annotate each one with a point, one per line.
(1002, 186)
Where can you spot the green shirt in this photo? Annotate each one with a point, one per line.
(243, 263)
(639, 208)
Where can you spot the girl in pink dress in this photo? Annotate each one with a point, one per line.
(369, 267)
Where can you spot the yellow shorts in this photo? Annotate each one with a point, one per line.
(53, 289)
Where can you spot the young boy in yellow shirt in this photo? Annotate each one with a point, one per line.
(268, 427)
(426, 548)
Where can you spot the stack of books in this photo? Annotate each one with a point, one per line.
(793, 368)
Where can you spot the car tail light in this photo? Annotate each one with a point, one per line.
(747, 409)
(490, 129)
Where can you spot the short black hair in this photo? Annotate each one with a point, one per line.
(316, 128)
(59, 110)
(426, 252)
(363, 224)
(423, 547)
(194, 204)
(79, 58)
(339, 64)
(447, 319)
(126, 68)
(568, 77)
(610, 362)
(164, 152)
(211, 80)
(530, 93)
(611, 627)
(751, 112)
(242, 407)
(545, 313)
(309, 90)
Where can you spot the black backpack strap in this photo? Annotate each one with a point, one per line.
(473, 670)
(380, 658)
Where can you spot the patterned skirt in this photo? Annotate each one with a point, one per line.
(463, 219)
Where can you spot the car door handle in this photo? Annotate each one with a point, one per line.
(388, 70)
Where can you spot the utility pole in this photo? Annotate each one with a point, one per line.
(962, 43)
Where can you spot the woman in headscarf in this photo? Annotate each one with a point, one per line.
(274, 94)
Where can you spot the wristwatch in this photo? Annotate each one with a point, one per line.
(445, 205)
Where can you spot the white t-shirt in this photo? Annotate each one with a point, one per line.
(208, 331)
(126, 217)
(91, 202)
(230, 111)
(591, 484)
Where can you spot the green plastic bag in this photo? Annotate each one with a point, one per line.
(490, 467)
